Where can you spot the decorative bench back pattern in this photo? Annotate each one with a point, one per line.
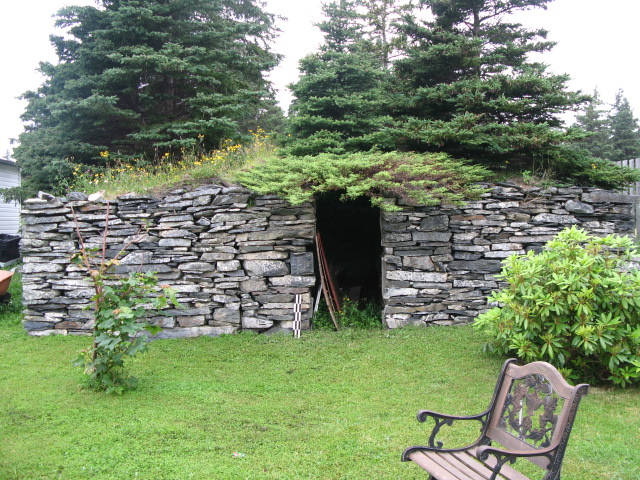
(534, 408)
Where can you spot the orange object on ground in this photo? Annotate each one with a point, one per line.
(5, 281)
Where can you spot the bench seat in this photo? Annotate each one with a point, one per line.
(461, 466)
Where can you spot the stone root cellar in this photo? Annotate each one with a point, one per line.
(237, 260)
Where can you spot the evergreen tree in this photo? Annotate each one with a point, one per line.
(381, 18)
(594, 121)
(461, 82)
(625, 132)
(340, 99)
(143, 78)
(470, 90)
(341, 26)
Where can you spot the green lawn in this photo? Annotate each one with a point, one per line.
(330, 405)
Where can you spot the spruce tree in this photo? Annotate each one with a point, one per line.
(469, 88)
(625, 132)
(141, 79)
(462, 82)
(381, 18)
(594, 121)
(342, 97)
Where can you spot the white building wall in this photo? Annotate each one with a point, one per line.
(9, 212)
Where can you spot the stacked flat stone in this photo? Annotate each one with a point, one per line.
(440, 264)
(236, 260)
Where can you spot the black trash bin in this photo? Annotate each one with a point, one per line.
(9, 247)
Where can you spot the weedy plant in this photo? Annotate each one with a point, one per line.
(121, 305)
(351, 315)
(576, 304)
(193, 166)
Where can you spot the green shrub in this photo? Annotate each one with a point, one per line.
(121, 306)
(419, 179)
(121, 309)
(574, 305)
(586, 170)
(350, 316)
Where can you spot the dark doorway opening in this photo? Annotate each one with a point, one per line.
(350, 233)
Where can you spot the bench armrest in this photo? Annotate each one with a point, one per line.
(423, 414)
(442, 419)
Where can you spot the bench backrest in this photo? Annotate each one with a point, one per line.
(534, 407)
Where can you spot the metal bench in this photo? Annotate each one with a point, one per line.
(530, 416)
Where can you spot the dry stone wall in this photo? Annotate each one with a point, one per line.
(439, 264)
(236, 260)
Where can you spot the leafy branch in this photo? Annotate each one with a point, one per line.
(121, 305)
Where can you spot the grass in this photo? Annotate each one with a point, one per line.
(330, 405)
(192, 168)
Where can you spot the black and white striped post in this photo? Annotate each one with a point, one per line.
(297, 316)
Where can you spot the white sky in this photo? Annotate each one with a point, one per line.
(597, 46)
